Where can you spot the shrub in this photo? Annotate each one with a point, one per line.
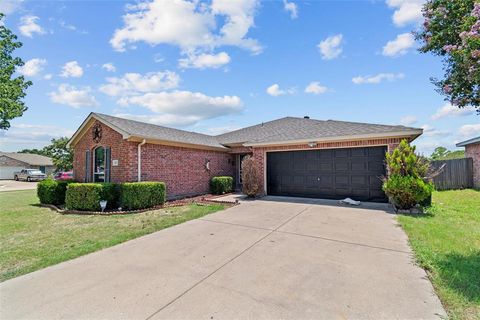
(50, 191)
(221, 185)
(407, 191)
(84, 196)
(140, 195)
(250, 176)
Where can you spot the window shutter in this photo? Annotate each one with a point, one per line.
(107, 164)
(88, 163)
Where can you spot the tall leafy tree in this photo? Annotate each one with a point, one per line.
(12, 88)
(62, 156)
(452, 30)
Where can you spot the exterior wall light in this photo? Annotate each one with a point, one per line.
(207, 165)
(312, 144)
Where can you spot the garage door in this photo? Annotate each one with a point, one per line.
(7, 172)
(328, 173)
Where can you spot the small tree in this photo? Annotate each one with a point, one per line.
(409, 180)
(452, 30)
(250, 176)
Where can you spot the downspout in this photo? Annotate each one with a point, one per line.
(139, 162)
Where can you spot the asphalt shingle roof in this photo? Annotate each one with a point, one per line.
(29, 158)
(290, 128)
(147, 130)
(284, 129)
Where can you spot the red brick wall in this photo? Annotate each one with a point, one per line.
(123, 151)
(259, 152)
(182, 169)
(473, 151)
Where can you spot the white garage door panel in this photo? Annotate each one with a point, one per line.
(7, 172)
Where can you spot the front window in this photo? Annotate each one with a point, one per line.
(99, 165)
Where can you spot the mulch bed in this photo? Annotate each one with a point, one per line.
(198, 200)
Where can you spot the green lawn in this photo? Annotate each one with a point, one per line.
(32, 237)
(446, 242)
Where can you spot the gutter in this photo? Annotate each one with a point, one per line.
(139, 158)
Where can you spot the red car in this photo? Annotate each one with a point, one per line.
(64, 175)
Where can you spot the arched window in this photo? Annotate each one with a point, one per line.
(101, 164)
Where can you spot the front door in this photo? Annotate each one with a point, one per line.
(240, 158)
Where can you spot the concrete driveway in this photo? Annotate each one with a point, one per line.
(12, 185)
(271, 258)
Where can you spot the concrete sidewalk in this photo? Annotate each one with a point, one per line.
(261, 259)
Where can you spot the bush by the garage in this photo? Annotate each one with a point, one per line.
(221, 185)
(50, 191)
(140, 195)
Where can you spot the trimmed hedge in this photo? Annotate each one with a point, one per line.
(221, 185)
(140, 195)
(87, 196)
(51, 191)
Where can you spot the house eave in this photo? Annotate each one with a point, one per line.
(86, 124)
(468, 142)
(410, 135)
(151, 140)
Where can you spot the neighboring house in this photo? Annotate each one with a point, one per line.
(472, 150)
(294, 156)
(11, 162)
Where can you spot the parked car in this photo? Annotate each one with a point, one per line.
(29, 175)
(67, 175)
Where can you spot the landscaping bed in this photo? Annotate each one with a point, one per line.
(33, 237)
(446, 242)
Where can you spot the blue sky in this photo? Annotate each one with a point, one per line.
(220, 65)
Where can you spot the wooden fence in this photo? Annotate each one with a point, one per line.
(457, 174)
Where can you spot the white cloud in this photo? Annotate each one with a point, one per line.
(204, 60)
(331, 47)
(430, 131)
(48, 76)
(374, 79)
(469, 130)
(315, 88)
(72, 96)
(22, 135)
(184, 107)
(164, 22)
(449, 110)
(406, 11)
(71, 69)
(136, 83)
(109, 67)
(399, 46)
(28, 26)
(169, 120)
(10, 6)
(291, 8)
(408, 120)
(274, 90)
(32, 67)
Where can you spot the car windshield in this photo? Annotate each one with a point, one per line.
(35, 172)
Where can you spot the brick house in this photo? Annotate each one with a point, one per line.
(472, 150)
(11, 162)
(294, 156)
